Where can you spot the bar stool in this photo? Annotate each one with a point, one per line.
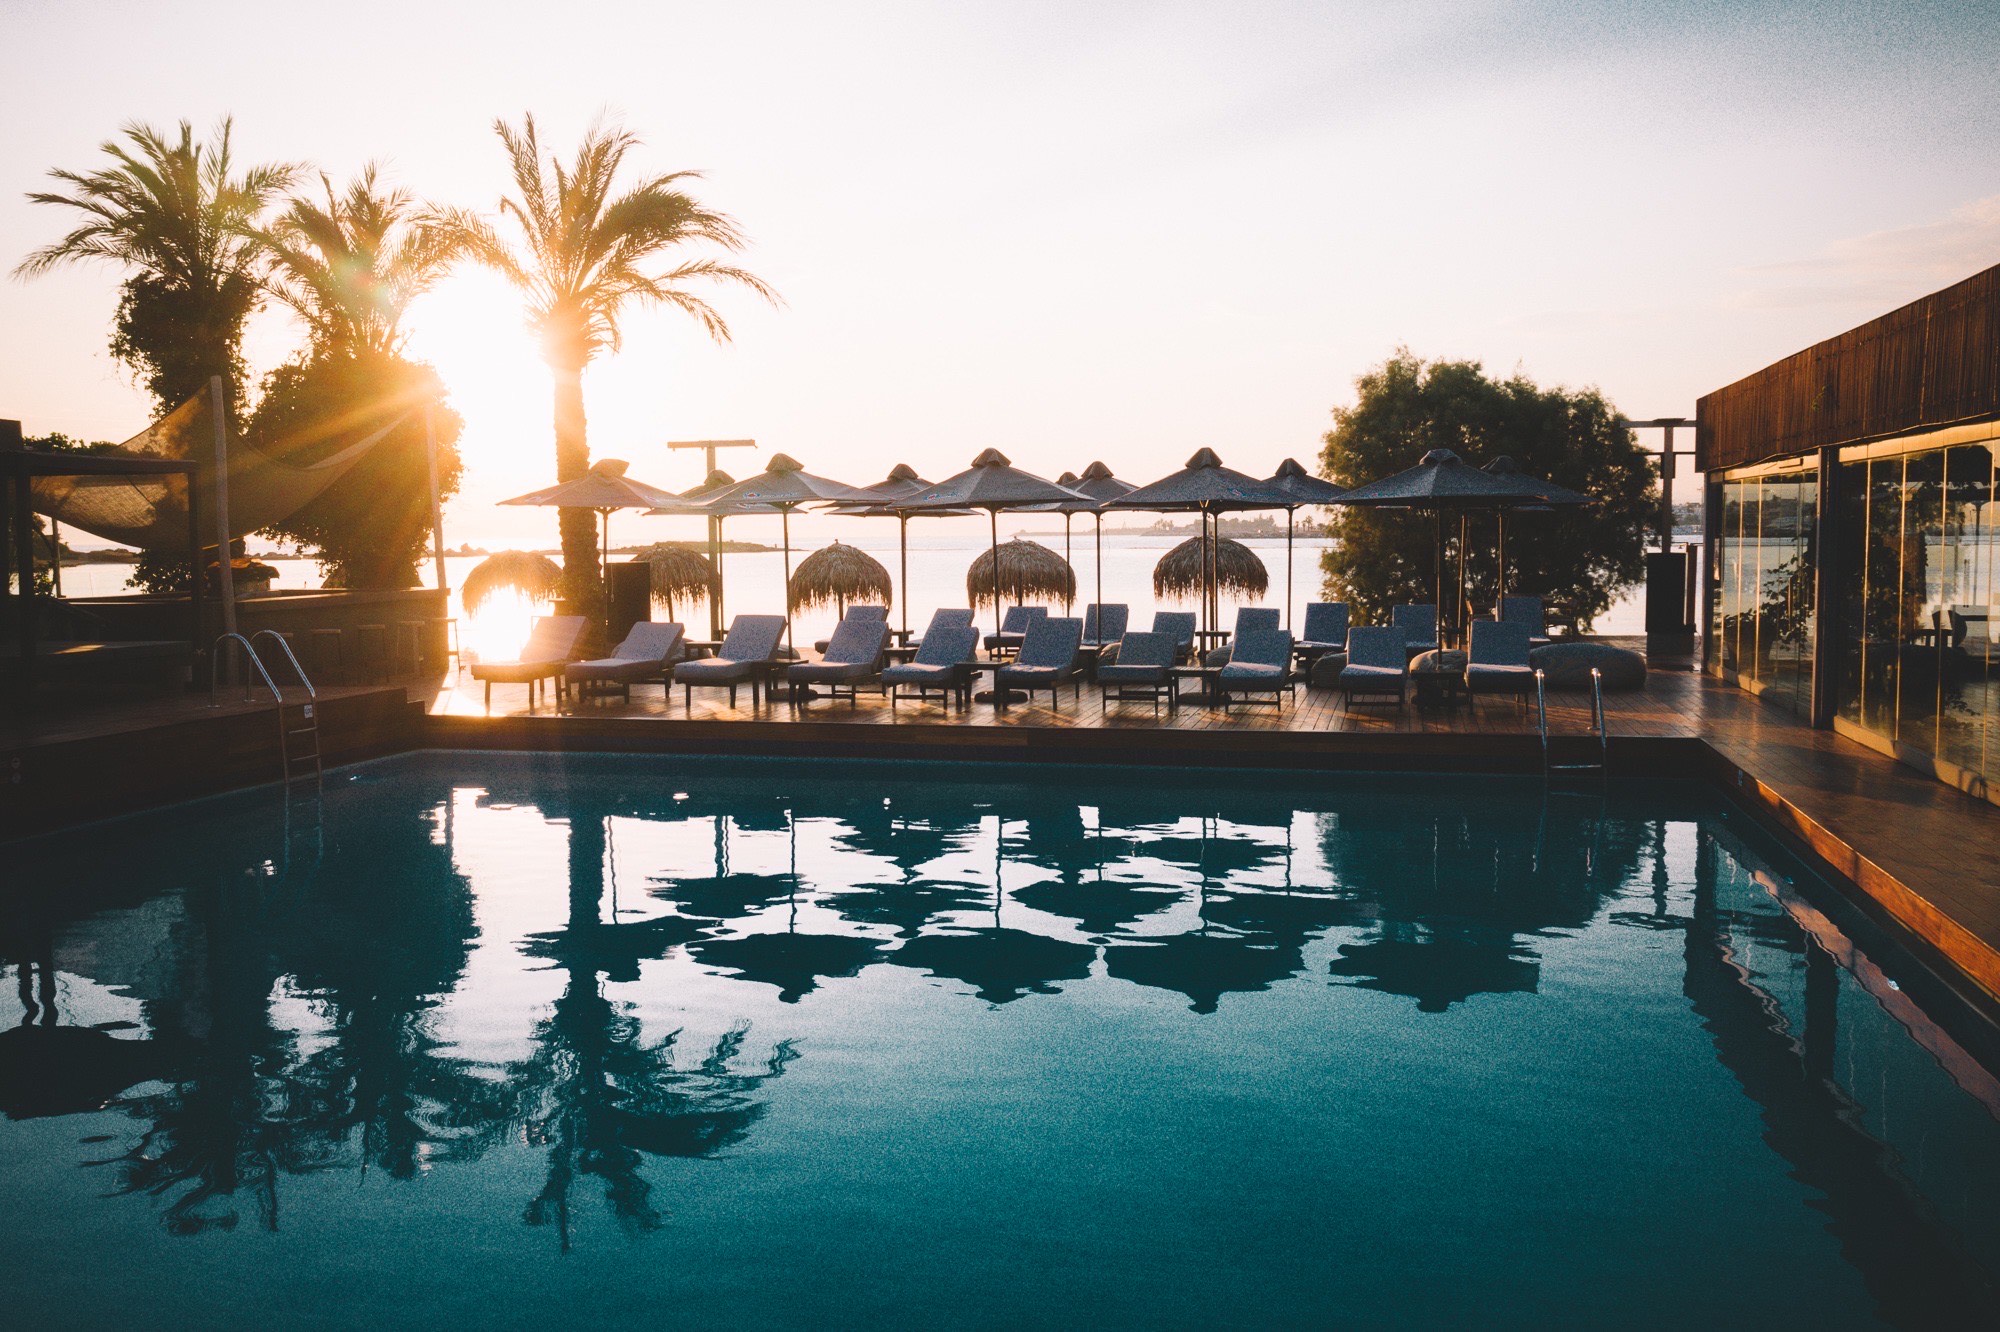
(326, 650)
(409, 647)
(371, 651)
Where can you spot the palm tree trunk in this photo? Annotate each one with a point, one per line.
(582, 580)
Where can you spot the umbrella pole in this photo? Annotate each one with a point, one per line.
(1437, 580)
(1069, 602)
(1464, 593)
(1098, 564)
(993, 520)
(1288, 569)
(903, 566)
(715, 561)
(604, 562)
(1500, 579)
(785, 522)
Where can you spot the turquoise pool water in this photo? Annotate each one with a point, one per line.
(521, 1040)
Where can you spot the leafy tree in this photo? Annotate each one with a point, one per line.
(349, 265)
(369, 528)
(179, 216)
(582, 255)
(1576, 558)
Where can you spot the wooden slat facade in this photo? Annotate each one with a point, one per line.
(1934, 362)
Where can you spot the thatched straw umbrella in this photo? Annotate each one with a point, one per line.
(536, 575)
(838, 574)
(678, 573)
(1027, 569)
(1234, 568)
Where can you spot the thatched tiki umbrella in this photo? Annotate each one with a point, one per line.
(1233, 566)
(523, 571)
(837, 575)
(678, 573)
(1028, 569)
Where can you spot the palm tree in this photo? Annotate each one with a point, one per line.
(583, 257)
(350, 266)
(179, 216)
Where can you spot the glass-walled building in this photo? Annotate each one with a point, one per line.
(1853, 554)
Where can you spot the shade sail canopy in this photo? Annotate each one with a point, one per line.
(784, 484)
(605, 486)
(837, 574)
(1202, 483)
(1236, 569)
(1443, 480)
(150, 511)
(992, 482)
(1028, 571)
(1302, 487)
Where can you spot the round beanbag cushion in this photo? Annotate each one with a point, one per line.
(1326, 669)
(1567, 666)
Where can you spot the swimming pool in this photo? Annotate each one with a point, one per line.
(524, 1039)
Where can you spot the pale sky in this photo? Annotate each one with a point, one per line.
(1074, 231)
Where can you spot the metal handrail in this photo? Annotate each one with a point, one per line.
(1597, 716)
(286, 648)
(1542, 714)
(250, 654)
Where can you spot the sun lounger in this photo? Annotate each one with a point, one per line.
(551, 643)
(1497, 660)
(1419, 625)
(748, 654)
(1014, 629)
(939, 667)
(1105, 624)
(855, 613)
(648, 653)
(1260, 662)
(1529, 611)
(1378, 664)
(1325, 631)
(1179, 626)
(1047, 659)
(1144, 670)
(1249, 620)
(853, 657)
(949, 617)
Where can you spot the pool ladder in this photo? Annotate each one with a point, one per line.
(1596, 725)
(301, 729)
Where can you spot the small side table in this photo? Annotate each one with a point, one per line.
(1439, 676)
(1205, 678)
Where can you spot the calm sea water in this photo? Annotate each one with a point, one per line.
(937, 566)
(522, 1040)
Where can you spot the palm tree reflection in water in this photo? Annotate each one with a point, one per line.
(293, 1021)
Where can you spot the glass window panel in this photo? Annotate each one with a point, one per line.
(1850, 535)
(1881, 610)
(1920, 613)
(1968, 696)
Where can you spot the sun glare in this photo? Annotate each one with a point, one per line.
(499, 629)
(471, 329)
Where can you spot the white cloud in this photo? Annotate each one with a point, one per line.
(1885, 268)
